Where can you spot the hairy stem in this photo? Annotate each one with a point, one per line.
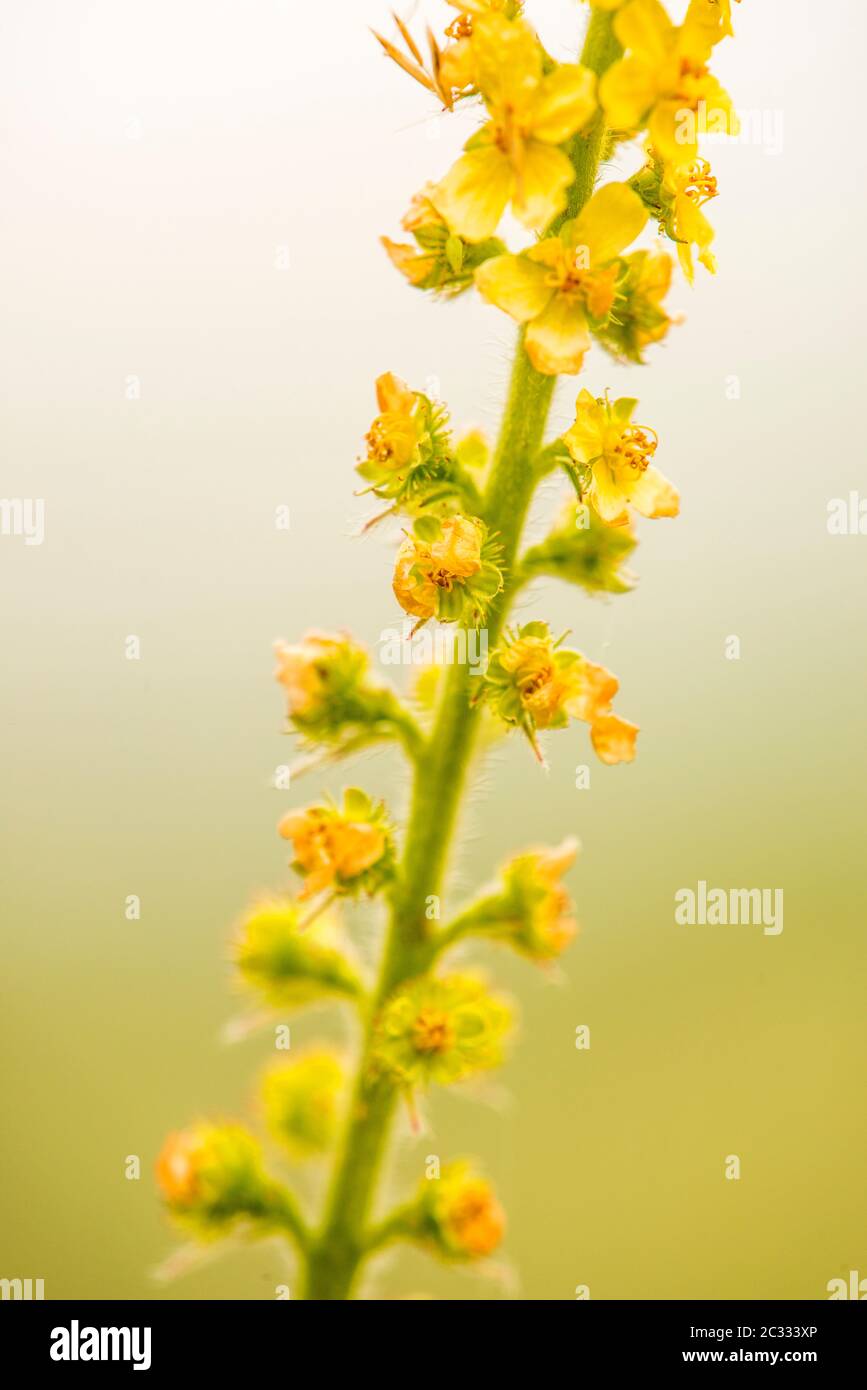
(441, 768)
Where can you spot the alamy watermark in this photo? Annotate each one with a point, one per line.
(434, 645)
(723, 907)
(23, 516)
(763, 128)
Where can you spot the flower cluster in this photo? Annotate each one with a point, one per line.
(580, 279)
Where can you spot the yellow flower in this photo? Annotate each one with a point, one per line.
(541, 921)
(440, 260)
(301, 1101)
(459, 1214)
(663, 82)
(341, 850)
(393, 438)
(689, 188)
(447, 571)
(316, 669)
(565, 284)
(534, 683)
(515, 158)
(675, 197)
(439, 1029)
(616, 456)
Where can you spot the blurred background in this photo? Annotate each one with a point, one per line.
(195, 309)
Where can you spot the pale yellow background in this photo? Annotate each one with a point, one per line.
(156, 159)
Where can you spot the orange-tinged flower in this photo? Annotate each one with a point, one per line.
(211, 1175)
(178, 1165)
(309, 670)
(457, 1214)
(393, 438)
(473, 1220)
(449, 573)
(533, 683)
(541, 919)
(565, 284)
(515, 158)
(340, 850)
(615, 455)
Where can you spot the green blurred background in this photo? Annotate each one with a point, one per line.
(161, 163)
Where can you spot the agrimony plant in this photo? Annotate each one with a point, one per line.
(642, 88)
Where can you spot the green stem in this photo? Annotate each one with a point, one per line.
(441, 767)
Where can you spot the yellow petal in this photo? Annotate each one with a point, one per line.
(557, 340)
(643, 27)
(507, 62)
(408, 260)
(566, 101)
(652, 494)
(614, 738)
(673, 131)
(515, 284)
(394, 395)
(541, 183)
(607, 497)
(611, 220)
(626, 91)
(473, 195)
(584, 438)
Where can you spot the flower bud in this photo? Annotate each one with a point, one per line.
(440, 1029)
(538, 913)
(459, 1215)
(301, 1099)
(289, 965)
(346, 851)
(211, 1175)
(640, 319)
(583, 550)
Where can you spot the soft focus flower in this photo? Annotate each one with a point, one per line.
(663, 82)
(331, 697)
(289, 964)
(515, 157)
(539, 918)
(439, 1029)
(321, 675)
(534, 683)
(211, 1174)
(345, 851)
(639, 318)
(301, 1099)
(567, 284)
(710, 19)
(459, 1215)
(615, 455)
(447, 570)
